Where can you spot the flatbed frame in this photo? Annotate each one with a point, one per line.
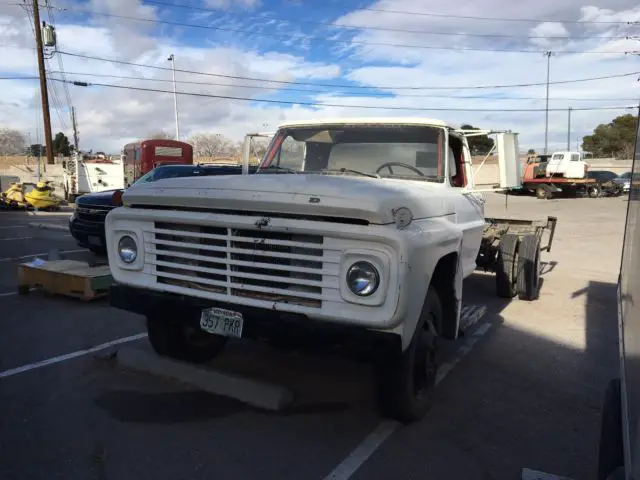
(517, 271)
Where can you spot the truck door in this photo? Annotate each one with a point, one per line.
(469, 206)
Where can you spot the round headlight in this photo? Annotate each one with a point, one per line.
(363, 279)
(127, 249)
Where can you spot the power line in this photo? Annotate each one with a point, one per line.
(327, 39)
(20, 78)
(430, 14)
(291, 82)
(381, 29)
(364, 94)
(67, 93)
(315, 104)
(494, 19)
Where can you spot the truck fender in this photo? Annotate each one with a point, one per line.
(446, 277)
(447, 280)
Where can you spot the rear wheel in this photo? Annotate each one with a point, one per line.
(543, 193)
(595, 191)
(405, 382)
(182, 339)
(528, 279)
(506, 266)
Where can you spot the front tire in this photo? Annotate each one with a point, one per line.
(406, 381)
(182, 339)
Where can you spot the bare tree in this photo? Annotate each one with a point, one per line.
(211, 145)
(259, 148)
(12, 142)
(159, 135)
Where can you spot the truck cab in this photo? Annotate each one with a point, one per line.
(354, 232)
(567, 165)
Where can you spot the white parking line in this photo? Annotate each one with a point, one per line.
(363, 451)
(384, 430)
(69, 356)
(13, 226)
(24, 257)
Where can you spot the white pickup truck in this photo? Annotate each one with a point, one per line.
(354, 232)
(567, 165)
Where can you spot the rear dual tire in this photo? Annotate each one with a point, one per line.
(518, 267)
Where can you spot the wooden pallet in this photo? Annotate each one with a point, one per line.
(65, 277)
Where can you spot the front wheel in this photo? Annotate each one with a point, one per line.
(182, 339)
(406, 382)
(542, 193)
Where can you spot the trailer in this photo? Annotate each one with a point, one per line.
(511, 249)
(546, 188)
(538, 178)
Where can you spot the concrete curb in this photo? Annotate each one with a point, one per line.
(256, 393)
(49, 226)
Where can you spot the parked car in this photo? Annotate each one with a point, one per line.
(602, 175)
(624, 180)
(87, 221)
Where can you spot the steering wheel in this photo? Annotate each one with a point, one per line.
(398, 164)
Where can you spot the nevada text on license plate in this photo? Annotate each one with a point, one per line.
(222, 322)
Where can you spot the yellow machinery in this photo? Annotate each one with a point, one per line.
(40, 197)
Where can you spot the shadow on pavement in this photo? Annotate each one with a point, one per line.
(166, 407)
(528, 396)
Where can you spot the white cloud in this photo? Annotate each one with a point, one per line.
(232, 3)
(109, 117)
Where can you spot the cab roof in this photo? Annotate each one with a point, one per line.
(416, 121)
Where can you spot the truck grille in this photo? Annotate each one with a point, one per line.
(93, 213)
(271, 266)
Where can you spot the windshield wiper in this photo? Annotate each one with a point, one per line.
(348, 170)
(276, 169)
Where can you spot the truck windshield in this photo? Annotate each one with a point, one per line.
(174, 171)
(413, 152)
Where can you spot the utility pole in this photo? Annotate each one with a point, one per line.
(172, 59)
(546, 110)
(76, 138)
(43, 83)
(569, 130)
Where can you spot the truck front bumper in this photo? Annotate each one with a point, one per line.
(260, 323)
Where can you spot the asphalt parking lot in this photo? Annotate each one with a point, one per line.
(522, 389)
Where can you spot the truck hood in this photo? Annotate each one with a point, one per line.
(363, 198)
(97, 198)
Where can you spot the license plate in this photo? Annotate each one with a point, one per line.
(222, 322)
(94, 241)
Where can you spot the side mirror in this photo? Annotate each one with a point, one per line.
(509, 160)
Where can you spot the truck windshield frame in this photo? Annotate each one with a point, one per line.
(354, 149)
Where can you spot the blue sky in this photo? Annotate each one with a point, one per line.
(341, 43)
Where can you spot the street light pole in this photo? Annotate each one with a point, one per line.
(546, 110)
(175, 94)
(569, 130)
